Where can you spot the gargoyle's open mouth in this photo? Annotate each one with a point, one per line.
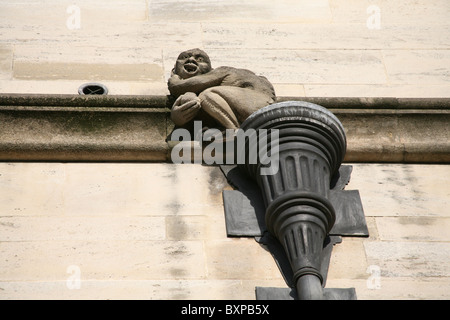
(190, 67)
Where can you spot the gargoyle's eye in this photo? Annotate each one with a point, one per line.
(200, 59)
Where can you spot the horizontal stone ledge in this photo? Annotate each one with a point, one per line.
(163, 101)
(68, 100)
(135, 128)
(81, 153)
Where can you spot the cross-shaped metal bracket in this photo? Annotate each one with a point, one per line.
(244, 216)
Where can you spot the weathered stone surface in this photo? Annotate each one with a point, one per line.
(73, 190)
(335, 36)
(6, 61)
(82, 227)
(157, 231)
(355, 66)
(396, 190)
(206, 227)
(101, 260)
(250, 264)
(222, 97)
(321, 49)
(397, 288)
(83, 134)
(70, 87)
(288, 11)
(384, 90)
(405, 12)
(348, 261)
(409, 259)
(332, 43)
(414, 228)
(130, 128)
(136, 289)
(418, 66)
(401, 136)
(97, 71)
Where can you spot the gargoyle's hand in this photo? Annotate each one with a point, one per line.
(185, 108)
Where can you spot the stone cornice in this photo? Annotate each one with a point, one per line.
(134, 128)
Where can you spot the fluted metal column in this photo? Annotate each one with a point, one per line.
(311, 147)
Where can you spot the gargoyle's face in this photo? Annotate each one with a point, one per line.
(191, 63)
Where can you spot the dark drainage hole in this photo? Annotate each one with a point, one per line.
(92, 89)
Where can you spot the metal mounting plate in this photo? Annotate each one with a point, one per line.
(244, 208)
(269, 293)
(245, 217)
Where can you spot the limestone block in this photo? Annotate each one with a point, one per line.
(84, 134)
(240, 258)
(307, 66)
(140, 41)
(396, 289)
(378, 90)
(135, 289)
(101, 260)
(95, 53)
(100, 190)
(6, 59)
(336, 36)
(409, 259)
(396, 135)
(287, 11)
(403, 12)
(88, 71)
(59, 86)
(402, 190)
(348, 260)
(209, 226)
(81, 228)
(418, 66)
(289, 90)
(58, 12)
(413, 228)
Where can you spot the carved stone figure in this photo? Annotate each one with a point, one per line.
(221, 98)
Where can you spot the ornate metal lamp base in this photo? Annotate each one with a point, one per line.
(300, 204)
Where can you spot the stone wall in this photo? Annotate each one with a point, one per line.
(157, 231)
(73, 230)
(306, 48)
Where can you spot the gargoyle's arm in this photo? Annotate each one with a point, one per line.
(196, 84)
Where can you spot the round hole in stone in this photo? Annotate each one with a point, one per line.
(92, 89)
